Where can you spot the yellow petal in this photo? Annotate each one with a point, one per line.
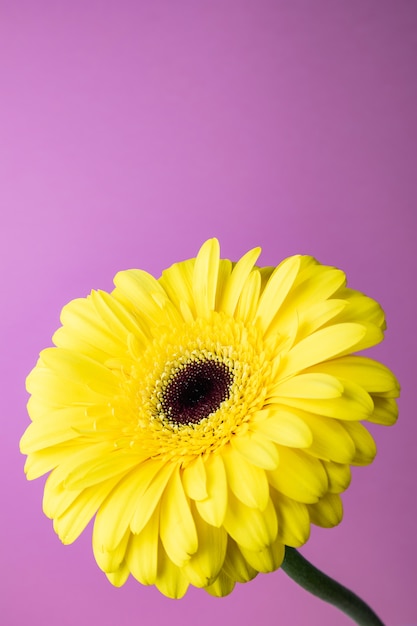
(330, 439)
(76, 512)
(58, 391)
(75, 367)
(42, 461)
(234, 285)
(308, 386)
(299, 476)
(250, 527)
(204, 566)
(112, 561)
(361, 307)
(38, 408)
(293, 520)
(371, 375)
(317, 315)
(117, 318)
(194, 479)
(373, 336)
(223, 276)
(58, 497)
(266, 273)
(222, 586)
(267, 560)
(170, 580)
(353, 404)
(68, 338)
(116, 514)
(79, 464)
(80, 455)
(81, 322)
(142, 553)
(286, 428)
(212, 509)
(385, 411)
(339, 476)
(146, 296)
(177, 283)
(248, 301)
(322, 345)
(364, 443)
(114, 463)
(277, 290)
(177, 528)
(53, 428)
(205, 277)
(257, 450)
(120, 576)
(150, 498)
(248, 482)
(56, 500)
(314, 283)
(328, 512)
(235, 565)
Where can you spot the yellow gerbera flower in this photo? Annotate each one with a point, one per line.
(206, 418)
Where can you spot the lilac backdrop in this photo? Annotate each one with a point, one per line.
(130, 131)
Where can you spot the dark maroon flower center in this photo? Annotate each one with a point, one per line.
(196, 390)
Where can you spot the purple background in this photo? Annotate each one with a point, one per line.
(131, 131)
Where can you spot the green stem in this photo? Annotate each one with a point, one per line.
(324, 587)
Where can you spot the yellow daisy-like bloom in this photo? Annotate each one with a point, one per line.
(206, 418)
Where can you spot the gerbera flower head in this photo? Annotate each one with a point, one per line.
(206, 418)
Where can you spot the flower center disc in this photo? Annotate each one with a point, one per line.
(196, 390)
